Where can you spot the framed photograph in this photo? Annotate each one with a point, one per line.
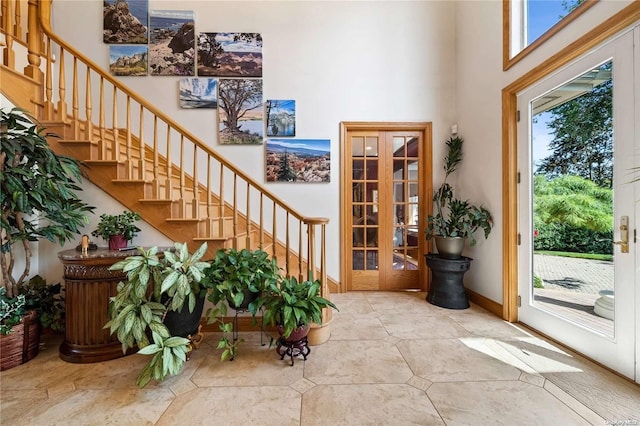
(240, 112)
(281, 117)
(230, 54)
(128, 60)
(125, 21)
(172, 47)
(298, 160)
(198, 93)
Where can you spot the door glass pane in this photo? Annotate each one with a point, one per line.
(357, 146)
(398, 146)
(371, 146)
(572, 222)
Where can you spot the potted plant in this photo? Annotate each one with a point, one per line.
(292, 306)
(455, 219)
(38, 201)
(118, 229)
(235, 279)
(160, 292)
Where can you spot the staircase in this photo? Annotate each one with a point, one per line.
(143, 158)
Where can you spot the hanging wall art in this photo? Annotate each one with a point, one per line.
(172, 43)
(240, 111)
(281, 117)
(128, 60)
(125, 21)
(230, 54)
(199, 93)
(298, 160)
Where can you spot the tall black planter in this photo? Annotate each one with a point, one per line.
(185, 323)
(447, 288)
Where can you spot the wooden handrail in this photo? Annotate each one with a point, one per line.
(45, 17)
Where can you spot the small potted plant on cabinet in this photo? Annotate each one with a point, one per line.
(38, 201)
(117, 229)
(292, 306)
(163, 297)
(455, 220)
(236, 278)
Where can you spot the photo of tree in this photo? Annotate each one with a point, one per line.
(230, 54)
(281, 117)
(298, 160)
(240, 111)
(172, 48)
(199, 93)
(128, 60)
(125, 21)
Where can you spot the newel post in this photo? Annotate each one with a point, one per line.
(319, 333)
(34, 45)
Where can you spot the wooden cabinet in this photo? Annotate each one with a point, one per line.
(88, 286)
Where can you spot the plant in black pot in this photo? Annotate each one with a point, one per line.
(117, 229)
(236, 278)
(292, 306)
(38, 202)
(162, 293)
(455, 219)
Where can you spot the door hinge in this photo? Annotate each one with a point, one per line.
(518, 177)
(519, 238)
(518, 116)
(634, 236)
(519, 301)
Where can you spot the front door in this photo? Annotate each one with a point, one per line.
(384, 187)
(578, 207)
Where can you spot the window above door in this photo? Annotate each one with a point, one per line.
(529, 23)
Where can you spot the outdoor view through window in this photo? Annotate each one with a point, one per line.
(572, 165)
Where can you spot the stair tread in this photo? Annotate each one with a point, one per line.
(155, 200)
(103, 162)
(211, 238)
(130, 181)
(184, 219)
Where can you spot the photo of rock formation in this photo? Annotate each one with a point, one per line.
(172, 43)
(128, 60)
(281, 117)
(125, 21)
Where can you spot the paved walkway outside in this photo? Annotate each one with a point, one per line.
(577, 275)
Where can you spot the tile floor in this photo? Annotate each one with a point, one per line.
(393, 359)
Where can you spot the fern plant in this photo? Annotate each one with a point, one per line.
(155, 285)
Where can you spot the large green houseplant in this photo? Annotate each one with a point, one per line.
(156, 285)
(235, 279)
(291, 304)
(455, 219)
(38, 201)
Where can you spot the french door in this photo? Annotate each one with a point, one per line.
(589, 304)
(384, 208)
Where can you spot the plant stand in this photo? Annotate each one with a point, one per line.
(447, 287)
(293, 348)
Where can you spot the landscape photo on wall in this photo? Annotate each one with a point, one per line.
(172, 42)
(199, 92)
(298, 160)
(128, 60)
(230, 54)
(125, 21)
(240, 111)
(281, 117)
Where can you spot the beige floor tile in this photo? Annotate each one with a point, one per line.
(487, 325)
(349, 362)
(413, 325)
(450, 360)
(356, 327)
(500, 403)
(255, 365)
(388, 404)
(270, 405)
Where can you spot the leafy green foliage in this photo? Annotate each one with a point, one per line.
(291, 304)
(233, 276)
(39, 198)
(568, 238)
(12, 309)
(138, 306)
(123, 223)
(455, 217)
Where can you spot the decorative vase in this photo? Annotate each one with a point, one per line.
(117, 242)
(22, 344)
(449, 247)
(296, 335)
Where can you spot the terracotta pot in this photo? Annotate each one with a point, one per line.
(22, 344)
(117, 242)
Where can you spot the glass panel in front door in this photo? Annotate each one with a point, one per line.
(572, 166)
(405, 203)
(365, 197)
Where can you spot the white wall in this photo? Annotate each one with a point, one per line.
(479, 82)
(340, 61)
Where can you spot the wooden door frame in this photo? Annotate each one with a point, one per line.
(426, 181)
(609, 28)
